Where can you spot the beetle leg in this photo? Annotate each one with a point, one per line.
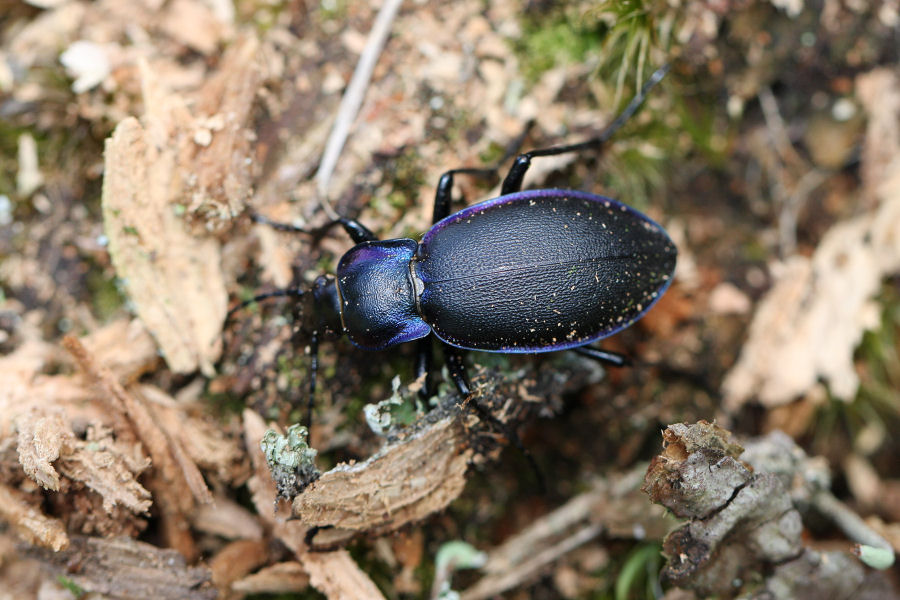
(294, 292)
(313, 372)
(356, 230)
(443, 195)
(513, 180)
(607, 357)
(423, 367)
(457, 369)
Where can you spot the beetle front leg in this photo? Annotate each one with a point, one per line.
(357, 231)
(443, 195)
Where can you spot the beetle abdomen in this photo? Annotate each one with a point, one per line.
(540, 270)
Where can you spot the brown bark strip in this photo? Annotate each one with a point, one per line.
(30, 523)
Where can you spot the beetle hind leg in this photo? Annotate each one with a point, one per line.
(513, 181)
(443, 195)
(607, 357)
(457, 370)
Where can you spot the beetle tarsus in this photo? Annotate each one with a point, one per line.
(607, 357)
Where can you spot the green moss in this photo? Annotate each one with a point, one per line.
(876, 405)
(70, 585)
(105, 295)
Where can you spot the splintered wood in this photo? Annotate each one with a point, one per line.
(125, 568)
(164, 173)
(403, 483)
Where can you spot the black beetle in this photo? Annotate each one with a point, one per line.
(526, 272)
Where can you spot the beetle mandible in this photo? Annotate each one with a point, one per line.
(526, 272)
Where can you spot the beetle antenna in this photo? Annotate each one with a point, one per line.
(277, 226)
(294, 292)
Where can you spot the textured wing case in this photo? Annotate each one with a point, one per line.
(540, 270)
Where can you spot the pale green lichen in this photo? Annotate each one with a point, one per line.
(291, 460)
(396, 410)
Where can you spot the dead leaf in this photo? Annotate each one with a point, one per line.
(809, 324)
(155, 176)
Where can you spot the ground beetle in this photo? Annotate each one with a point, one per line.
(528, 271)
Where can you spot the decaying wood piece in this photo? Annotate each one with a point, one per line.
(30, 523)
(743, 532)
(614, 507)
(98, 461)
(280, 578)
(175, 482)
(335, 574)
(422, 469)
(55, 431)
(155, 439)
(171, 165)
(127, 569)
(404, 482)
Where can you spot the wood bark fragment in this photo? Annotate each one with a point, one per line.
(336, 575)
(403, 483)
(169, 168)
(127, 569)
(30, 523)
(743, 528)
(280, 578)
(168, 484)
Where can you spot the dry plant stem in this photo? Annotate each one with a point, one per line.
(791, 202)
(604, 509)
(352, 100)
(848, 521)
(489, 587)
